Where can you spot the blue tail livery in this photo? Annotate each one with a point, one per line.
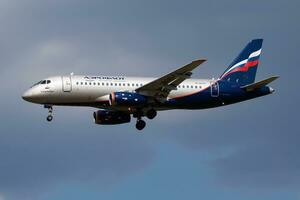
(242, 70)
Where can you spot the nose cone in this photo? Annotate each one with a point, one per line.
(27, 96)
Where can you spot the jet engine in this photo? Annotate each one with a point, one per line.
(127, 99)
(106, 117)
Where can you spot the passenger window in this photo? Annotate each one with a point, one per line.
(77, 83)
(137, 85)
(128, 84)
(187, 86)
(102, 84)
(132, 84)
(90, 83)
(107, 84)
(124, 84)
(183, 86)
(116, 84)
(111, 84)
(196, 86)
(81, 83)
(85, 83)
(94, 83)
(120, 84)
(192, 86)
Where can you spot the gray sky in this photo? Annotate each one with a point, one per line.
(248, 150)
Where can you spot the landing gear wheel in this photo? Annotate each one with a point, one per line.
(140, 124)
(49, 118)
(151, 114)
(50, 111)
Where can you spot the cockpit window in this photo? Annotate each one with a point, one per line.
(36, 83)
(42, 82)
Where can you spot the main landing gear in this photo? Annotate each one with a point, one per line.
(141, 124)
(50, 111)
(151, 114)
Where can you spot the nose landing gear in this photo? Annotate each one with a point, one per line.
(49, 118)
(50, 111)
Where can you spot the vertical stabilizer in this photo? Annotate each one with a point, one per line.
(243, 69)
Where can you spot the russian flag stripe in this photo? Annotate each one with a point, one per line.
(244, 64)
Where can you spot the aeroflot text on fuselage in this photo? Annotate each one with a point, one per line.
(120, 78)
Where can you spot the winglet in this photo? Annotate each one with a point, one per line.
(259, 84)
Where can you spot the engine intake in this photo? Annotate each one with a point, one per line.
(127, 99)
(106, 117)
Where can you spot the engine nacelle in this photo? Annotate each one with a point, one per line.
(106, 117)
(127, 99)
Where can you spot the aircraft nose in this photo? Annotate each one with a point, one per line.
(27, 95)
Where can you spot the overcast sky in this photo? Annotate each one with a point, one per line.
(245, 151)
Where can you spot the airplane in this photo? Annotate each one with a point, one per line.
(120, 98)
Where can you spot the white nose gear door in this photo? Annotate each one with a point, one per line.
(67, 83)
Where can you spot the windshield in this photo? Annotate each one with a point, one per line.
(36, 83)
(42, 82)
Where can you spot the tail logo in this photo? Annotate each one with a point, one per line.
(244, 65)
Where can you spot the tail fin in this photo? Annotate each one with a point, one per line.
(243, 69)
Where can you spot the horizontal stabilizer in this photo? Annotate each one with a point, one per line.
(259, 84)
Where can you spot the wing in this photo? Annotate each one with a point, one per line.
(161, 87)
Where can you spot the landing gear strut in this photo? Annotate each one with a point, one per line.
(50, 111)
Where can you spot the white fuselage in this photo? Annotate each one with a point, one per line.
(94, 90)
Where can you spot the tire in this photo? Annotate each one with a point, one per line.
(140, 125)
(151, 114)
(49, 118)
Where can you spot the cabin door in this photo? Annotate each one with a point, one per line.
(67, 83)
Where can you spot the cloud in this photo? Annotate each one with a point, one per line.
(251, 145)
(39, 159)
(263, 167)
